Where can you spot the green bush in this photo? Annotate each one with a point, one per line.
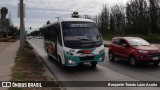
(152, 38)
(3, 40)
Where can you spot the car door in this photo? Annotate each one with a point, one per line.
(115, 46)
(123, 48)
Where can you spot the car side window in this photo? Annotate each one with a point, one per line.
(122, 42)
(116, 41)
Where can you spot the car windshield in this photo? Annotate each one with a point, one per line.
(138, 42)
(80, 32)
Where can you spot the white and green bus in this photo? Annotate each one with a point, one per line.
(73, 42)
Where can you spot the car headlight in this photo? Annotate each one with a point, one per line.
(143, 51)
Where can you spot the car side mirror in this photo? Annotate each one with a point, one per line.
(125, 45)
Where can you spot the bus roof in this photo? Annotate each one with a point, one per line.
(75, 19)
(69, 20)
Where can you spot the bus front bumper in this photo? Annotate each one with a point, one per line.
(77, 60)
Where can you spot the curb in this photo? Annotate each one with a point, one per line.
(56, 79)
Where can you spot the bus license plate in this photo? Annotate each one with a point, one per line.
(155, 58)
(86, 63)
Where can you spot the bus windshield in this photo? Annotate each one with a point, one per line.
(82, 32)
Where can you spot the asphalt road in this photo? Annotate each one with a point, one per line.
(118, 71)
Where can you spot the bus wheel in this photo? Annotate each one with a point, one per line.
(93, 64)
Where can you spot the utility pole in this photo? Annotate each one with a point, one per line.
(21, 24)
(58, 18)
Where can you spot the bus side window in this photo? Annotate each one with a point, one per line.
(58, 32)
(60, 39)
(46, 34)
(54, 37)
(50, 34)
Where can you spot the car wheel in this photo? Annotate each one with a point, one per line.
(111, 57)
(156, 63)
(133, 61)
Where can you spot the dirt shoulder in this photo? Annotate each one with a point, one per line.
(29, 67)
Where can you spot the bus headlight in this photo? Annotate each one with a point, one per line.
(69, 53)
(71, 62)
(103, 50)
(101, 59)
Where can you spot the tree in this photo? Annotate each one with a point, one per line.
(4, 23)
(4, 12)
(154, 15)
(137, 17)
(13, 31)
(41, 31)
(34, 33)
(112, 24)
(104, 20)
(117, 19)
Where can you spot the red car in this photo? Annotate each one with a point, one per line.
(135, 50)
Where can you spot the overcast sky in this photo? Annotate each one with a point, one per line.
(37, 12)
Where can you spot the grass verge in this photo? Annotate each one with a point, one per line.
(8, 39)
(28, 67)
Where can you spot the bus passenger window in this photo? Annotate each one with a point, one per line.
(60, 39)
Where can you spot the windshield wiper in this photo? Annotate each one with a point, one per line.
(72, 41)
(91, 41)
(84, 39)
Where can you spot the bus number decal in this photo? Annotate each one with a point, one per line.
(79, 25)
